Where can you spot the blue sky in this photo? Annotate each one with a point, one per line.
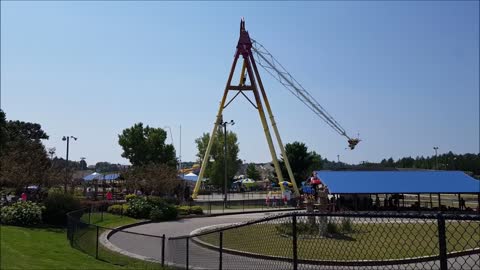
(403, 74)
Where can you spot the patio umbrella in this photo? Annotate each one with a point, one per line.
(286, 183)
(248, 182)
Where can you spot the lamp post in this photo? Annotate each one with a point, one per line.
(224, 124)
(436, 157)
(67, 138)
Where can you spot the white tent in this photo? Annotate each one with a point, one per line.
(190, 177)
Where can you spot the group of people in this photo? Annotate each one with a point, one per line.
(313, 185)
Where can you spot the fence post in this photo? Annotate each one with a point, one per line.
(220, 267)
(442, 243)
(90, 214)
(96, 249)
(186, 266)
(294, 241)
(243, 205)
(163, 250)
(102, 213)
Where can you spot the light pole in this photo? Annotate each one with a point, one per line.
(436, 157)
(67, 138)
(224, 124)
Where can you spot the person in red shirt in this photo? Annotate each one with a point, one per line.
(109, 196)
(24, 196)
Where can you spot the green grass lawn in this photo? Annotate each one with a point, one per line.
(49, 248)
(43, 248)
(368, 241)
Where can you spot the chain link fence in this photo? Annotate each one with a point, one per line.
(334, 241)
(85, 233)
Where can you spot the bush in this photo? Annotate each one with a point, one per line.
(157, 214)
(57, 205)
(23, 213)
(332, 228)
(183, 210)
(197, 210)
(170, 212)
(152, 207)
(156, 201)
(346, 225)
(118, 209)
(129, 197)
(139, 208)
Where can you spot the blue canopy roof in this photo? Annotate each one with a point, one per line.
(112, 176)
(99, 176)
(399, 182)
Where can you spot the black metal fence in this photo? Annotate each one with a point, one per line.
(86, 233)
(334, 241)
(243, 206)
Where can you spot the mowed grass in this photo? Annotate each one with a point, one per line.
(43, 248)
(49, 248)
(369, 241)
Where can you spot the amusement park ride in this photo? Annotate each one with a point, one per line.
(246, 48)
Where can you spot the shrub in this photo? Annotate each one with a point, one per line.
(118, 209)
(183, 210)
(197, 210)
(57, 205)
(346, 225)
(139, 208)
(129, 197)
(157, 214)
(156, 201)
(23, 213)
(170, 212)
(332, 228)
(189, 210)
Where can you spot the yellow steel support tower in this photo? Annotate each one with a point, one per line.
(249, 69)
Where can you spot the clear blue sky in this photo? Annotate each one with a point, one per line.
(404, 74)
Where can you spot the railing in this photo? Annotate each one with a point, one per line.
(334, 241)
(244, 206)
(85, 233)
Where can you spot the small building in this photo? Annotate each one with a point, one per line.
(402, 190)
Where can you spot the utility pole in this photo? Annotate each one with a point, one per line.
(67, 138)
(224, 124)
(436, 157)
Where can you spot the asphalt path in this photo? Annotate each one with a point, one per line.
(204, 258)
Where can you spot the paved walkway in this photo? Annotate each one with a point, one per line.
(203, 258)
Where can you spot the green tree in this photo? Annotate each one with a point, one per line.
(23, 159)
(145, 145)
(103, 167)
(302, 161)
(3, 131)
(252, 172)
(215, 170)
(83, 164)
(153, 179)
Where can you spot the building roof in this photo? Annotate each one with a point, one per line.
(399, 182)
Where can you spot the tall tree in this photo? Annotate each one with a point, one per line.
(153, 179)
(302, 161)
(146, 145)
(3, 131)
(252, 172)
(215, 170)
(83, 164)
(23, 159)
